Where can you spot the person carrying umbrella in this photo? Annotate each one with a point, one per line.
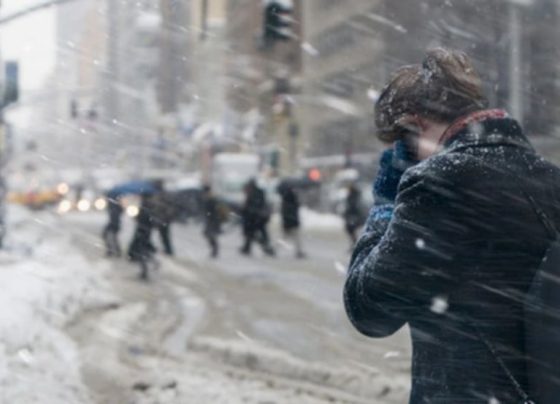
(115, 210)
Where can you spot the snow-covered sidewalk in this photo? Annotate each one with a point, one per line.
(44, 284)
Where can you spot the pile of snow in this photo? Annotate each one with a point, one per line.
(44, 284)
(349, 384)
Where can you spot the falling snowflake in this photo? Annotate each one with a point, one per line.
(309, 49)
(439, 304)
(392, 354)
(420, 244)
(340, 267)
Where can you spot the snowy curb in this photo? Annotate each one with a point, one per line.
(367, 383)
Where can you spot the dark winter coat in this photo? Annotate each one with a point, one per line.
(256, 210)
(456, 260)
(141, 247)
(163, 209)
(115, 210)
(290, 209)
(212, 216)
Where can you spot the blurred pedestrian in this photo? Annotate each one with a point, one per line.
(163, 214)
(3, 196)
(141, 249)
(290, 217)
(453, 246)
(353, 216)
(215, 214)
(111, 230)
(255, 215)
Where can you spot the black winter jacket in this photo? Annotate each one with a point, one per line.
(455, 261)
(256, 211)
(290, 210)
(212, 217)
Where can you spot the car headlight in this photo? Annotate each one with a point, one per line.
(132, 210)
(64, 206)
(63, 188)
(100, 203)
(84, 205)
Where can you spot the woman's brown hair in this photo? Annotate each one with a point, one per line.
(443, 88)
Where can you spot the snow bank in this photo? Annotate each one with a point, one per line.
(348, 383)
(44, 284)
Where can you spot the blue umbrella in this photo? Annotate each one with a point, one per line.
(137, 187)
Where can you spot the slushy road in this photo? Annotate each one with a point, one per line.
(279, 304)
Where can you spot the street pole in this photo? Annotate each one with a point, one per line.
(112, 105)
(515, 63)
(204, 20)
(516, 7)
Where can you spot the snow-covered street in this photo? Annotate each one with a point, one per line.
(84, 329)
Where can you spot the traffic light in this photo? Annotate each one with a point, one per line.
(314, 175)
(278, 21)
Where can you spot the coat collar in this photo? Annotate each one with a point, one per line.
(485, 128)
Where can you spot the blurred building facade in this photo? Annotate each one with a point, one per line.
(208, 61)
(263, 80)
(132, 106)
(174, 55)
(76, 90)
(344, 56)
(121, 68)
(354, 47)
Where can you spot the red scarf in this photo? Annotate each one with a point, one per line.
(466, 120)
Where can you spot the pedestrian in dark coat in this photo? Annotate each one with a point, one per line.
(290, 218)
(255, 215)
(141, 249)
(3, 195)
(353, 218)
(111, 231)
(214, 213)
(454, 254)
(163, 214)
